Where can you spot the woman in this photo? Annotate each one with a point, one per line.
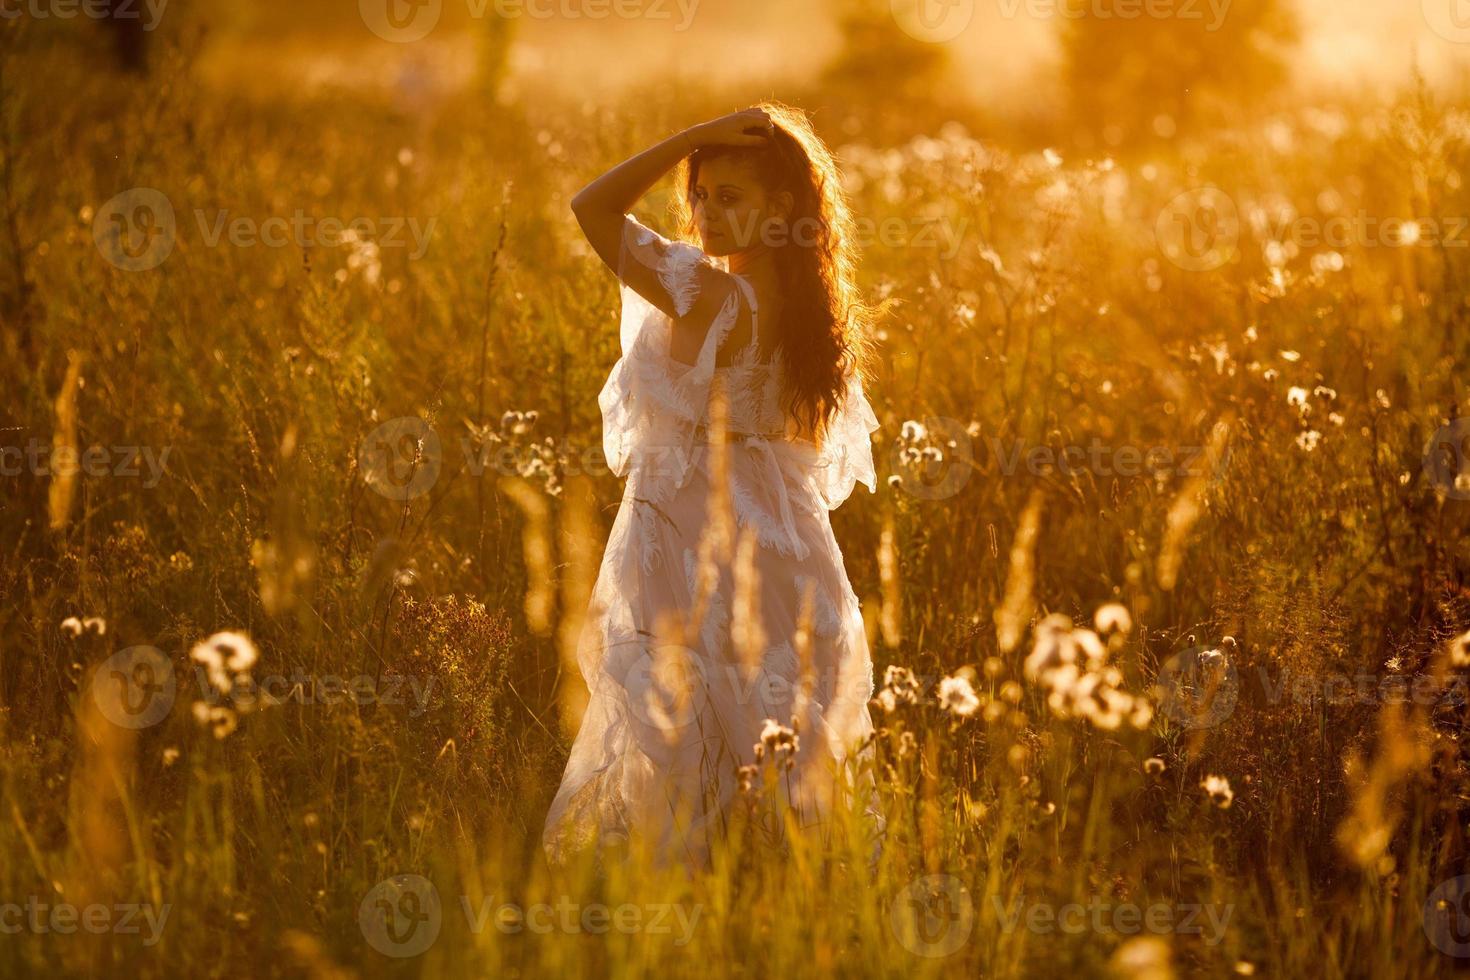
(724, 650)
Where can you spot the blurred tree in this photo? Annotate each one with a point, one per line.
(124, 21)
(879, 67)
(1132, 80)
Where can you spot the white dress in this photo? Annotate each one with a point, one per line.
(687, 653)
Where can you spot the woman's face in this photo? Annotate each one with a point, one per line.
(732, 209)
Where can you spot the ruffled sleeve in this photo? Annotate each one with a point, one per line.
(846, 456)
(652, 404)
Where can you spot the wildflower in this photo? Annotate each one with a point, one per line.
(220, 720)
(1460, 650)
(1053, 648)
(1112, 617)
(907, 745)
(1297, 397)
(780, 741)
(747, 777)
(895, 481)
(913, 431)
(71, 626)
(227, 657)
(1308, 440)
(1219, 791)
(170, 756)
(1154, 766)
(1072, 665)
(957, 696)
(1143, 957)
(902, 686)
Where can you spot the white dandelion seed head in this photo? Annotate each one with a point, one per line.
(1217, 788)
(957, 696)
(1113, 617)
(1460, 650)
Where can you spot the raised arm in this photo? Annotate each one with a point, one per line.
(602, 205)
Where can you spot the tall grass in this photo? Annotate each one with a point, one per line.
(1304, 526)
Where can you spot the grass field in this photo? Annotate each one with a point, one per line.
(312, 362)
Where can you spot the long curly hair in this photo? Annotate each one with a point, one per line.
(825, 326)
